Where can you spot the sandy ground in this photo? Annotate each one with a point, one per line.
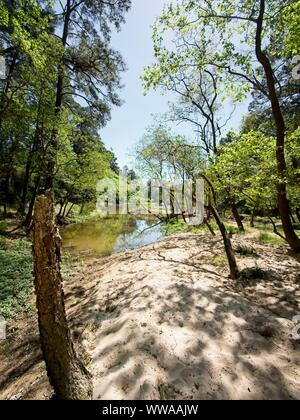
(165, 322)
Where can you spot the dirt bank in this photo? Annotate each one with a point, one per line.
(165, 322)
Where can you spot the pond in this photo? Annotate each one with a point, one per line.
(106, 236)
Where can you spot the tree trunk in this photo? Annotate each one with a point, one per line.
(70, 209)
(234, 271)
(237, 217)
(67, 375)
(61, 208)
(82, 208)
(28, 218)
(209, 227)
(28, 168)
(283, 203)
(293, 218)
(65, 208)
(25, 185)
(208, 215)
(54, 141)
(298, 213)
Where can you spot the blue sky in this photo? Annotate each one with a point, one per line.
(130, 121)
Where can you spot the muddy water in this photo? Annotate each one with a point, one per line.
(107, 236)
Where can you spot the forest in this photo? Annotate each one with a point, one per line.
(177, 275)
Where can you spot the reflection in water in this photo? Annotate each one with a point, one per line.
(144, 233)
(110, 235)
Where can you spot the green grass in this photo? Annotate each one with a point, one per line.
(220, 261)
(179, 226)
(16, 280)
(233, 230)
(266, 238)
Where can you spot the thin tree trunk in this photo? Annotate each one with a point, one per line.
(70, 209)
(283, 203)
(293, 218)
(209, 227)
(22, 206)
(67, 374)
(237, 217)
(34, 148)
(28, 218)
(275, 230)
(208, 215)
(82, 208)
(61, 208)
(234, 271)
(298, 213)
(65, 208)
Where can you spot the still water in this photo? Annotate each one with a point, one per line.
(105, 236)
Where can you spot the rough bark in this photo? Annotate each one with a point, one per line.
(67, 374)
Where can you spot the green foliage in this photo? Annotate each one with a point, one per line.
(246, 170)
(207, 54)
(291, 22)
(16, 281)
(56, 97)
